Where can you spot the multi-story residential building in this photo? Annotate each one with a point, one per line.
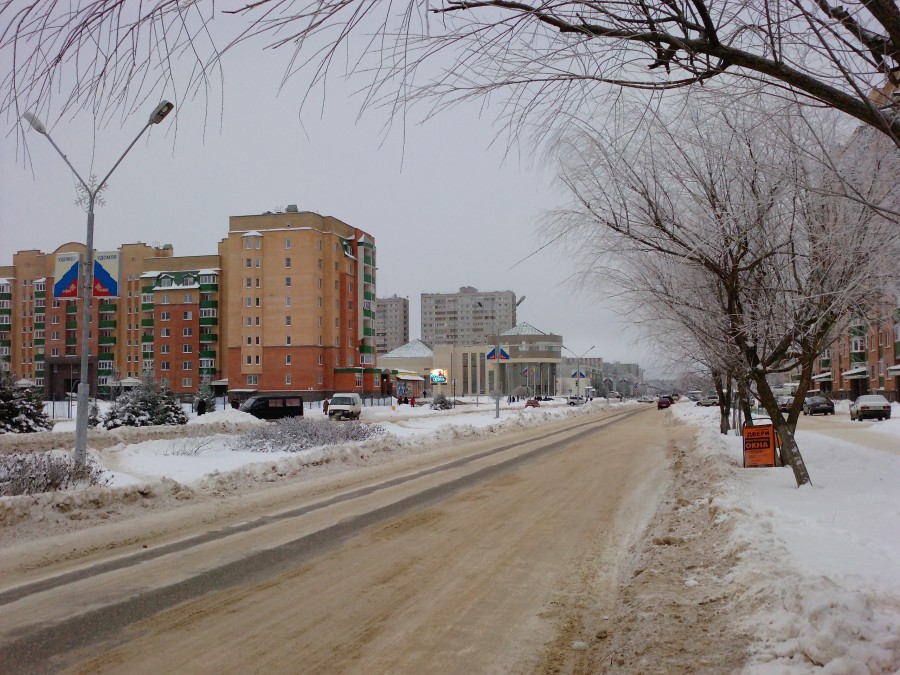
(865, 358)
(469, 317)
(298, 304)
(391, 323)
(287, 304)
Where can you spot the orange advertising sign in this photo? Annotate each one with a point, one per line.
(759, 446)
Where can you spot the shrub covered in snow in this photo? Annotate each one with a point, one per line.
(35, 472)
(144, 406)
(441, 402)
(21, 409)
(300, 433)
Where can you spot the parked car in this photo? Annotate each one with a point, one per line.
(785, 403)
(273, 406)
(871, 406)
(576, 400)
(664, 402)
(818, 405)
(614, 394)
(532, 403)
(709, 400)
(645, 399)
(694, 395)
(345, 406)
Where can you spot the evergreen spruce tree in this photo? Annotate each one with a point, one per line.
(21, 409)
(207, 394)
(146, 405)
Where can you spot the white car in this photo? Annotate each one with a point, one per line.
(709, 400)
(873, 406)
(345, 406)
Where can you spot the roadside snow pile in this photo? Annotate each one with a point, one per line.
(227, 420)
(816, 571)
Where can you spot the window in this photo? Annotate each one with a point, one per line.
(164, 299)
(287, 378)
(349, 360)
(54, 320)
(337, 285)
(321, 359)
(187, 382)
(188, 298)
(249, 282)
(318, 302)
(208, 312)
(187, 332)
(287, 359)
(319, 321)
(287, 282)
(164, 348)
(350, 268)
(249, 262)
(257, 359)
(187, 365)
(207, 278)
(257, 320)
(164, 332)
(55, 303)
(249, 243)
(249, 360)
(147, 298)
(54, 351)
(253, 379)
(187, 281)
(319, 263)
(319, 282)
(165, 282)
(188, 315)
(287, 320)
(187, 349)
(287, 262)
(287, 242)
(257, 283)
(248, 302)
(249, 320)
(287, 301)
(207, 363)
(258, 242)
(164, 316)
(336, 266)
(337, 322)
(258, 263)
(54, 335)
(164, 365)
(257, 302)
(287, 339)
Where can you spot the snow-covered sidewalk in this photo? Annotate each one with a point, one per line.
(818, 572)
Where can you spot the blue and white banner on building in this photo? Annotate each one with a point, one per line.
(491, 355)
(106, 274)
(578, 374)
(65, 275)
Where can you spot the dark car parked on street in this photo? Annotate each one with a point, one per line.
(664, 402)
(818, 405)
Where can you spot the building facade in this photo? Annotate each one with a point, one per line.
(864, 359)
(391, 323)
(469, 317)
(287, 304)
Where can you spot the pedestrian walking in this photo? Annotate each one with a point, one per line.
(201, 406)
(325, 406)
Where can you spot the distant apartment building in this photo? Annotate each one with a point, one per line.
(469, 317)
(391, 323)
(287, 304)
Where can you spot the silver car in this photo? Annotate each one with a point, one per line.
(870, 406)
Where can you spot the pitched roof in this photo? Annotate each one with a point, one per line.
(523, 329)
(411, 350)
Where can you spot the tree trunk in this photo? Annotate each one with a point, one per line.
(790, 453)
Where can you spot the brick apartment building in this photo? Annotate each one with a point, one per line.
(286, 305)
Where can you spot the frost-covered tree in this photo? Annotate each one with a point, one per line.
(206, 393)
(742, 226)
(146, 405)
(21, 408)
(552, 60)
(441, 402)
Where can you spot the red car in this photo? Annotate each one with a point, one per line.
(663, 402)
(532, 403)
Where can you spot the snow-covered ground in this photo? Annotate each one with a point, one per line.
(818, 573)
(819, 566)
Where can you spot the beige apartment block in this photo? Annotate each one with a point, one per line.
(391, 323)
(298, 310)
(469, 317)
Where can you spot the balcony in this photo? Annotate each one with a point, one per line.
(208, 337)
(369, 332)
(147, 289)
(209, 321)
(71, 340)
(106, 340)
(369, 279)
(107, 323)
(207, 371)
(857, 358)
(146, 306)
(207, 354)
(106, 356)
(71, 308)
(39, 342)
(209, 288)
(146, 338)
(71, 325)
(107, 307)
(39, 325)
(209, 304)
(146, 323)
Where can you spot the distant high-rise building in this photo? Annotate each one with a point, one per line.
(469, 317)
(391, 323)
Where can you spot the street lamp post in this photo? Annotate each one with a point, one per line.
(578, 368)
(497, 355)
(87, 276)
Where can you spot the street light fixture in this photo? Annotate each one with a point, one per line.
(87, 276)
(578, 368)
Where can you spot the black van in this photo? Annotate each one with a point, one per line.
(273, 406)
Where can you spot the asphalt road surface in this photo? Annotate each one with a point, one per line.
(498, 556)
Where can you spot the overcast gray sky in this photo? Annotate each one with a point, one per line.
(446, 206)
